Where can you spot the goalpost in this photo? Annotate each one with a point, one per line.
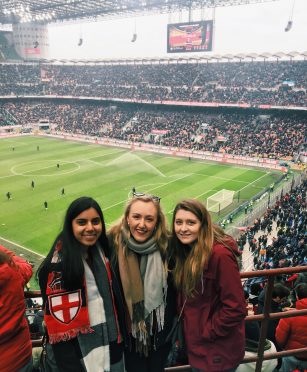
(220, 200)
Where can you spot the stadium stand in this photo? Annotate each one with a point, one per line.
(240, 133)
(255, 83)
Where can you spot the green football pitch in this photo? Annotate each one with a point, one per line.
(104, 173)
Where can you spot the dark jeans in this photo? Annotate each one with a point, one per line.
(27, 368)
(155, 361)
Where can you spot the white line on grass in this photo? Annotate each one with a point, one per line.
(28, 173)
(255, 181)
(143, 187)
(21, 246)
(197, 197)
(99, 156)
(161, 185)
(151, 166)
(11, 175)
(212, 162)
(219, 178)
(94, 162)
(106, 154)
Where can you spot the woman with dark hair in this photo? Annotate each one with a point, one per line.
(15, 342)
(80, 296)
(140, 243)
(206, 274)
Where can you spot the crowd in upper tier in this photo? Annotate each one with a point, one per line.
(273, 83)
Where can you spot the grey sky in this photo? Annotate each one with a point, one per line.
(253, 28)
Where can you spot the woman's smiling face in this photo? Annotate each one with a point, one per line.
(142, 220)
(87, 227)
(186, 226)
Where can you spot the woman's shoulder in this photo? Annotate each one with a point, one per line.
(225, 249)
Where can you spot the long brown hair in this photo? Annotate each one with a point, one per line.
(190, 262)
(160, 235)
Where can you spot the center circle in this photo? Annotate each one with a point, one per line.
(52, 168)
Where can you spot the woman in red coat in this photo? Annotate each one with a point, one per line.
(207, 276)
(291, 333)
(15, 342)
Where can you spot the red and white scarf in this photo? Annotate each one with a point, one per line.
(66, 312)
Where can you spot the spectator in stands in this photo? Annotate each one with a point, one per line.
(291, 333)
(80, 297)
(289, 247)
(280, 296)
(140, 242)
(206, 274)
(15, 342)
(38, 322)
(252, 337)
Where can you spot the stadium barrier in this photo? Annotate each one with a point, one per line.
(263, 318)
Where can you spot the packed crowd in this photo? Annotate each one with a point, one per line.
(273, 83)
(278, 240)
(288, 217)
(273, 136)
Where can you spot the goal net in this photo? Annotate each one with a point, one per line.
(220, 200)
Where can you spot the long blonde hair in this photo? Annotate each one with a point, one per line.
(160, 235)
(190, 262)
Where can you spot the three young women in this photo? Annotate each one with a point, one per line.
(207, 278)
(81, 298)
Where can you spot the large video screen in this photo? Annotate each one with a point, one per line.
(189, 37)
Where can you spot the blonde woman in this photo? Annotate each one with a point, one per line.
(207, 278)
(140, 243)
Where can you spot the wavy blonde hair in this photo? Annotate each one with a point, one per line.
(160, 235)
(190, 262)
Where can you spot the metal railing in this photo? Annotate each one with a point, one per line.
(263, 318)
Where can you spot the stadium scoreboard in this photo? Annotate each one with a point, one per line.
(189, 37)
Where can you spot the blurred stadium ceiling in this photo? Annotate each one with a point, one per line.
(47, 11)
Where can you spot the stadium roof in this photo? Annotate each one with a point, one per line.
(47, 11)
(182, 59)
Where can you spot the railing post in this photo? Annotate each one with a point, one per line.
(265, 322)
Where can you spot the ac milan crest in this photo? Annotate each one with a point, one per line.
(55, 282)
(65, 306)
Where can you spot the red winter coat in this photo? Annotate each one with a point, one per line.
(214, 318)
(291, 333)
(15, 342)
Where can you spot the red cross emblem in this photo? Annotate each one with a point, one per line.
(65, 306)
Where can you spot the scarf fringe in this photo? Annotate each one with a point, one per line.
(68, 335)
(139, 332)
(160, 315)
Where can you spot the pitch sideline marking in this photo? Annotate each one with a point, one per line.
(21, 246)
(257, 179)
(167, 183)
